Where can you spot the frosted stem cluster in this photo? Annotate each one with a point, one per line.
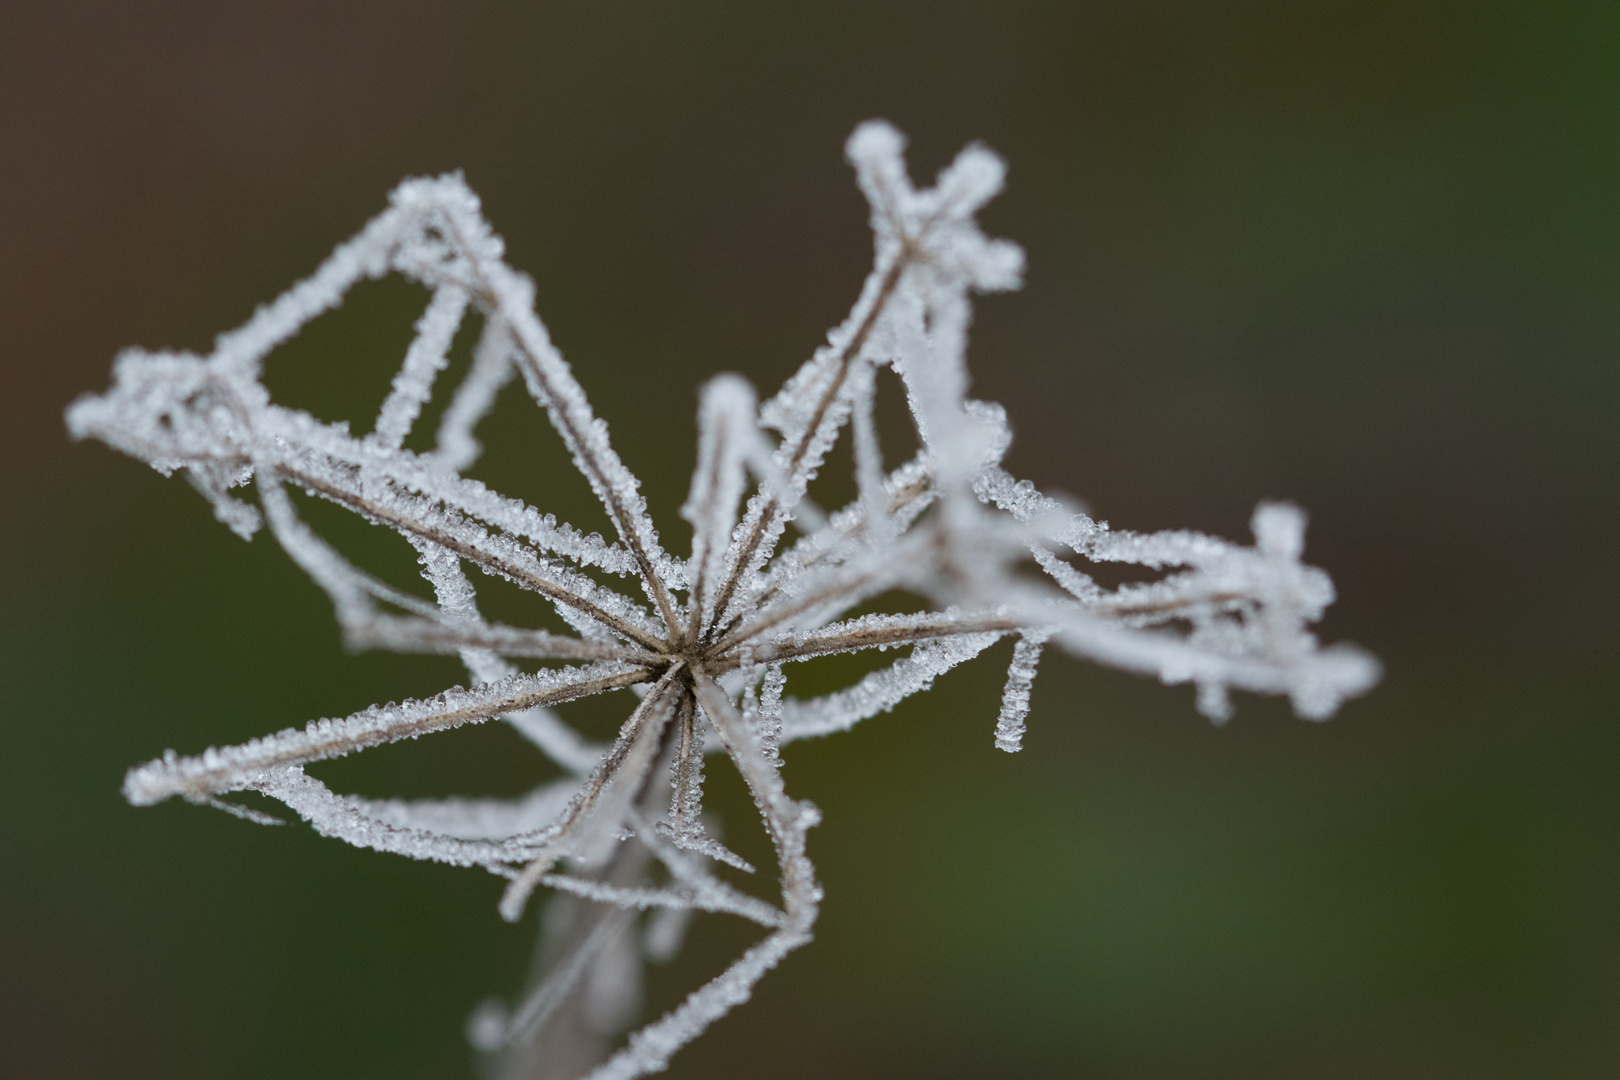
(704, 642)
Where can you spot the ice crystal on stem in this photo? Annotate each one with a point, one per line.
(705, 643)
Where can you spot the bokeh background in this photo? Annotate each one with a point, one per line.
(1364, 255)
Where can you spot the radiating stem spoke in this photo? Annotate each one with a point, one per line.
(505, 567)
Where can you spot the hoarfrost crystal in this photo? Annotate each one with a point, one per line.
(705, 641)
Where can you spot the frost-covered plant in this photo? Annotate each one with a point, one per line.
(705, 646)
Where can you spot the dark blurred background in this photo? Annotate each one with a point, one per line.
(1364, 255)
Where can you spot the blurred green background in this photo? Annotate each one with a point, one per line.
(1364, 255)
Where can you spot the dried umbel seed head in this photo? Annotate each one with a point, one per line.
(703, 643)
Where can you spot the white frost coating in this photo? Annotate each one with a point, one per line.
(423, 362)
(951, 528)
(727, 438)
(1316, 684)
(1015, 694)
(767, 719)
(235, 767)
(651, 1048)
(347, 820)
(820, 594)
(717, 896)
(881, 690)
(598, 810)
(869, 476)
(458, 601)
(833, 543)
(455, 445)
(350, 589)
(887, 631)
(1248, 608)
(472, 819)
